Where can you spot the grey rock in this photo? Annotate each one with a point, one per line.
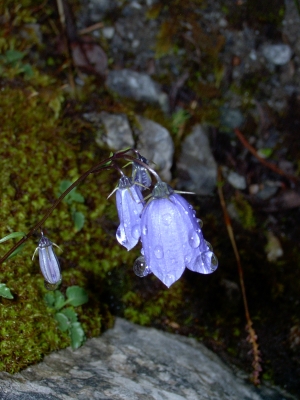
(151, 139)
(132, 362)
(231, 118)
(236, 180)
(155, 143)
(197, 168)
(137, 86)
(108, 32)
(113, 130)
(277, 54)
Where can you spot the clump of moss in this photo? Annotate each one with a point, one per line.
(39, 150)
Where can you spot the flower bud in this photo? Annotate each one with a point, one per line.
(140, 174)
(130, 204)
(49, 263)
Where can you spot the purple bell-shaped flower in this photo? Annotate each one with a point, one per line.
(49, 263)
(172, 237)
(130, 204)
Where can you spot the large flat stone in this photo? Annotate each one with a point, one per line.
(134, 363)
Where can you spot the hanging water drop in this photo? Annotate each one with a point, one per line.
(209, 246)
(200, 222)
(213, 262)
(140, 268)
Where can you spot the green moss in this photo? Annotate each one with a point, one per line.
(38, 151)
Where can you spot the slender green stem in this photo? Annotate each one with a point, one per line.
(108, 163)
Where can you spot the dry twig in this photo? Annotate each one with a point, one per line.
(252, 337)
(273, 167)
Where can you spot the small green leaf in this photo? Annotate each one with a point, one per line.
(76, 197)
(76, 296)
(77, 335)
(12, 56)
(5, 292)
(71, 197)
(70, 314)
(63, 321)
(78, 219)
(59, 300)
(265, 152)
(49, 299)
(17, 251)
(12, 236)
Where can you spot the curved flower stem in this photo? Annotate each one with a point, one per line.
(136, 160)
(252, 338)
(105, 164)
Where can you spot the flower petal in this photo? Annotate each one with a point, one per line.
(163, 236)
(130, 204)
(49, 263)
(202, 260)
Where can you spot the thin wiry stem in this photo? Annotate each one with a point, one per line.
(252, 337)
(108, 163)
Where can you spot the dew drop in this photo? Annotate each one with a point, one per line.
(194, 239)
(210, 261)
(213, 262)
(209, 246)
(125, 225)
(169, 279)
(142, 252)
(121, 236)
(187, 259)
(166, 219)
(136, 231)
(200, 222)
(158, 252)
(140, 268)
(145, 230)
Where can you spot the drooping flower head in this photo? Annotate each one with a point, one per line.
(49, 263)
(172, 238)
(130, 204)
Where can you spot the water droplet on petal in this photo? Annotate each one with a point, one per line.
(125, 225)
(142, 252)
(166, 219)
(200, 222)
(194, 239)
(145, 230)
(158, 251)
(136, 231)
(187, 259)
(209, 246)
(121, 236)
(190, 206)
(140, 268)
(169, 279)
(210, 261)
(214, 262)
